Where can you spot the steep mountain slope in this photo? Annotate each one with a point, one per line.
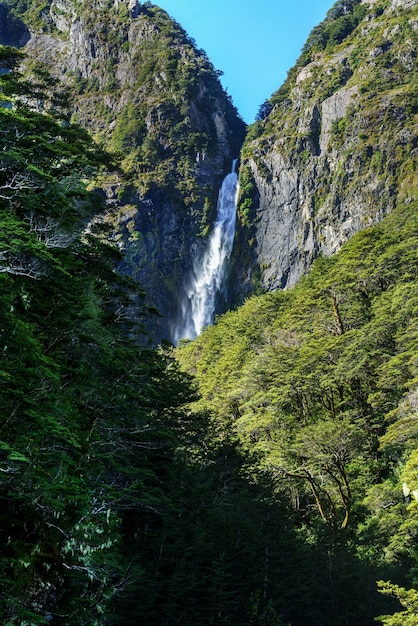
(286, 490)
(334, 148)
(318, 384)
(140, 86)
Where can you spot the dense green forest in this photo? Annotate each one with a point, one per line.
(317, 386)
(265, 474)
(92, 423)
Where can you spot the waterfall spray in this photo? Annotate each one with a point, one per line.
(198, 309)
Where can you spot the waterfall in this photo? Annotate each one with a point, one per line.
(207, 280)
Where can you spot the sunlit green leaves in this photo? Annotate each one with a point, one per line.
(321, 390)
(408, 599)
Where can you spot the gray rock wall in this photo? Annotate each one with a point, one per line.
(158, 216)
(331, 158)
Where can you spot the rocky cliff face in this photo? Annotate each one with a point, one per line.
(334, 149)
(332, 152)
(139, 85)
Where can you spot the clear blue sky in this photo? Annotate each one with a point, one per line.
(254, 42)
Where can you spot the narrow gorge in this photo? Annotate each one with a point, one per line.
(208, 330)
(327, 157)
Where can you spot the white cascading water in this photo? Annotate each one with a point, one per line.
(209, 270)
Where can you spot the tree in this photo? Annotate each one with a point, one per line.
(408, 599)
(321, 456)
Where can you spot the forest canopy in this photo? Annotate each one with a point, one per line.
(318, 385)
(265, 474)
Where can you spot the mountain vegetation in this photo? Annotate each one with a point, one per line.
(145, 92)
(67, 369)
(331, 151)
(318, 387)
(266, 473)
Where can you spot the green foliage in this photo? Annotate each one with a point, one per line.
(119, 503)
(408, 599)
(32, 10)
(90, 420)
(341, 21)
(284, 491)
(308, 380)
(246, 200)
(129, 130)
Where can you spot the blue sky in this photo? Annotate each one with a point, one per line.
(254, 42)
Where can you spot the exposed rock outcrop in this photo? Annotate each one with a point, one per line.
(139, 85)
(335, 152)
(13, 31)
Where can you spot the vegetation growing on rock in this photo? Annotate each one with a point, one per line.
(266, 473)
(140, 86)
(333, 149)
(318, 386)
